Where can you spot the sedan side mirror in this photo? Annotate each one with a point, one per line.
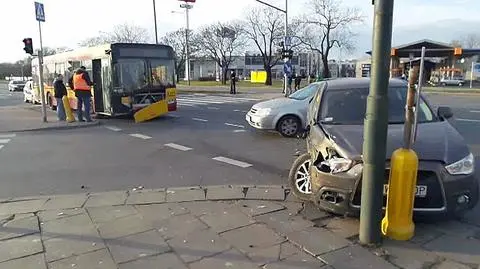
(444, 112)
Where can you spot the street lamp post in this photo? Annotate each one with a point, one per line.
(155, 21)
(187, 7)
(286, 40)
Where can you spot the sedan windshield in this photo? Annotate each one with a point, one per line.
(349, 107)
(304, 93)
(18, 82)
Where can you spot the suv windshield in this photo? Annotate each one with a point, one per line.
(304, 93)
(349, 106)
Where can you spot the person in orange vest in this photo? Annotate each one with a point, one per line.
(80, 82)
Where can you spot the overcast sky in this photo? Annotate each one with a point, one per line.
(70, 21)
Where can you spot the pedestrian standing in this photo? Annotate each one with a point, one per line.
(60, 91)
(82, 84)
(233, 78)
(298, 80)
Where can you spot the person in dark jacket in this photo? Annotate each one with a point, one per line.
(80, 82)
(233, 80)
(60, 91)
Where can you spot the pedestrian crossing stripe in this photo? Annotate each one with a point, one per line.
(193, 100)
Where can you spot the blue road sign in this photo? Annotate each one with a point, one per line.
(39, 12)
(287, 68)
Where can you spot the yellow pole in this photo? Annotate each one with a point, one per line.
(398, 221)
(68, 109)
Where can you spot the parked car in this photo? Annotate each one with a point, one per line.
(16, 85)
(30, 95)
(286, 115)
(454, 81)
(330, 174)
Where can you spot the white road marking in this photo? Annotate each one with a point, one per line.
(245, 111)
(180, 104)
(4, 141)
(177, 146)
(232, 161)
(234, 125)
(239, 131)
(113, 128)
(214, 108)
(7, 135)
(199, 101)
(236, 110)
(141, 136)
(174, 116)
(198, 119)
(470, 120)
(475, 111)
(1, 146)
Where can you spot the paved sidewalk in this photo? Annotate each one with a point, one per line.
(29, 118)
(213, 227)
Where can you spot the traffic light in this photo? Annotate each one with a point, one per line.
(28, 45)
(287, 53)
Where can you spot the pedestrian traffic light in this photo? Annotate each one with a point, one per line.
(28, 45)
(287, 54)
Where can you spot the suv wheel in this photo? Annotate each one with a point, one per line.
(299, 178)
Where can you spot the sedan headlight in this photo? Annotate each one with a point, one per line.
(465, 166)
(263, 111)
(338, 165)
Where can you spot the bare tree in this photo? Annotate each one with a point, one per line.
(328, 26)
(177, 40)
(265, 28)
(471, 41)
(220, 42)
(122, 33)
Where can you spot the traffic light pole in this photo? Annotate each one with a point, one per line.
(285, 76)
(376, 126)
(40, 65)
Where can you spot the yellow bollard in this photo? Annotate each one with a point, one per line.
(398, 221)
(68, 109)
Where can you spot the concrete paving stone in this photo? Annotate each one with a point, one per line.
(297, 261)
(185, 194)
(424, 234)
(146, 197)
(452, 265)
(198, 244)
(293, 207)
(464, 250)
(231, 259)
(472, 216)
(106, 199)
(317, 241)
(456, 228)
(31, 262)
(253, 236)
(24, 215)
(256, 207)
(122, 227)
(6, 218)
(74, 226)
(21, 206)
(54, 214)
(311, 212)
(228, 219)
(355, 257)
(288, 249)
(65, 201)
(180, 225)
(265, 193)
(225, 193)
(283, 222)
(261, 256)
(163, 261)
(136, 246)
(408, 255)
(99, 259)
(109, 213)
(63, 247)
(19, 227)
(202, 208)
(345, 227)
(158, 212)
(20, 247)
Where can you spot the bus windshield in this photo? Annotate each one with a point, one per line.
(130, 74)
(162, 72)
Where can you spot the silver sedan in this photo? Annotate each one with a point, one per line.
(286, 115)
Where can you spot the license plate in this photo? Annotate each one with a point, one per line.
(421, 190)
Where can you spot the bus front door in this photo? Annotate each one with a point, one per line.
(97, 85)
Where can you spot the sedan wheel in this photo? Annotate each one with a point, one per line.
(299, 178)
(289, 126)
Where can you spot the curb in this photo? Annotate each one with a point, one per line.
(52, 128)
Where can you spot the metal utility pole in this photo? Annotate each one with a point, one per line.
(40, 17)
(155, 21)
(187, 7)
(376, 126)
(286, 40)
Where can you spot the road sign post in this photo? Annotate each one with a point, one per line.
(40, 17)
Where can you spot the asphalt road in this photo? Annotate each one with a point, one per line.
(207, 142)
(9, 98)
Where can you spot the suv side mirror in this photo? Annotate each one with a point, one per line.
(444, 112)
